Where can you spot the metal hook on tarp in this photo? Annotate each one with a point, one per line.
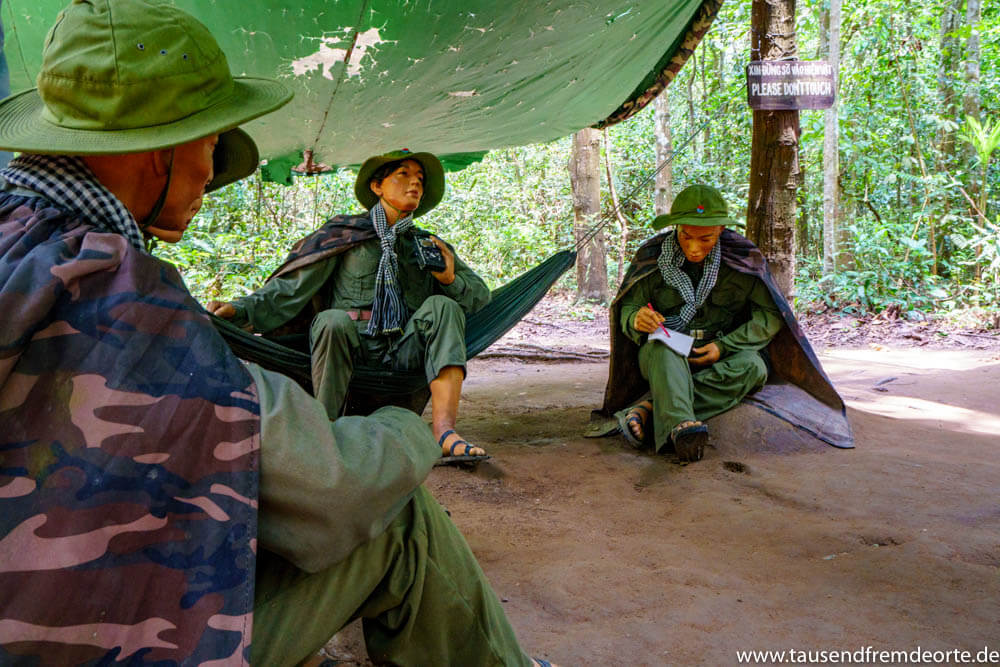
(307, 167)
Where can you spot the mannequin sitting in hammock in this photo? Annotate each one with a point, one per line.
(375, 303)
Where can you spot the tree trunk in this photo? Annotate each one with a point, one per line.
(585, 179)
(619, 214)
(663, 191)
(836, 254)
(951, 21)
(706, 152)
(693, 64)
(970, 100)
(774, 151)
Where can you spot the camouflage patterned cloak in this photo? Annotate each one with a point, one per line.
(129, 442)
(797, 390)
(338, 235)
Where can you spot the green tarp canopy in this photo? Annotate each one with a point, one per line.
(454, 77)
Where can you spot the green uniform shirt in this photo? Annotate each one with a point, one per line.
(327, 487)
(739, 307)
(347, 281)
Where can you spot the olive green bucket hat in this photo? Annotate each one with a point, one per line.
(433, 178)
(129, 76)
(698, 205)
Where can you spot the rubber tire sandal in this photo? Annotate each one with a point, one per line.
(457, 459)
(626, 418)
(689, 441)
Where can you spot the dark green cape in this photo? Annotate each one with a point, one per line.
(798, 390)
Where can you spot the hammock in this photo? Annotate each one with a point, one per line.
(372, 386)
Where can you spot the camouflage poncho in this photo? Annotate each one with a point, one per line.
(818, 409)
(129, 441)
(339, 234)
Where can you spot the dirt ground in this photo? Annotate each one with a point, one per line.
(605, 555)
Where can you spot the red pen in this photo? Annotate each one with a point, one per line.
(650, 306)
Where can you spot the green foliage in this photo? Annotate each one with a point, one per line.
(916, 239)
(503, 215)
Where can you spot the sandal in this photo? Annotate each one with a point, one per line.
(632, 416)
(689, 438)
(462, 457)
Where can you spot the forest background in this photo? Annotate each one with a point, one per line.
(919, 218)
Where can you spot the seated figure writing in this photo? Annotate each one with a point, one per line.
(685, 284)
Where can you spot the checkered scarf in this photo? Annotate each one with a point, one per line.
(69, 184)
(389, 313)
(670, 262)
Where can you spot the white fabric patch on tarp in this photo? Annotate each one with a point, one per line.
(330, 53)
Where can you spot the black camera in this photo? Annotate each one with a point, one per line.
(428, 254)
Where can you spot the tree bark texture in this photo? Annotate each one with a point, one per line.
(690, 100)
(585, 179)
(970, 100)
(951, 21)
(774, 161)
(663, 190)
(835, 237)
(616, 207)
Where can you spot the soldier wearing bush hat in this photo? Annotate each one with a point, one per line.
(372, 301)
(706, 281)
(135, 448)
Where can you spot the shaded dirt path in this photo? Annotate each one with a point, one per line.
(605, 555)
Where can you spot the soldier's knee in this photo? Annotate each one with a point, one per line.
(440, 301)
(660, 354)
(749, 365)
(442, 306)
(332, 322)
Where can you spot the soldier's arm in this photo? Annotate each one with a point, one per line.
(281, 298)
(328, 486)
(764, 323)
(636, 299)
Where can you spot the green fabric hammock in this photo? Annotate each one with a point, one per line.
(371, 387)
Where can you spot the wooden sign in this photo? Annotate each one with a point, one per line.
(785, 85)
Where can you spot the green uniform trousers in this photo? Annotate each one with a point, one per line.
(419, 589)
(434, 337)
(681, 395)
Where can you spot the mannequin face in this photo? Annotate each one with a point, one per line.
(192, 172)
(402, 189)
(697, 242)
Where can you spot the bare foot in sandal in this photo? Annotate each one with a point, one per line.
(637, 417)
(689, 438)
(452, 444)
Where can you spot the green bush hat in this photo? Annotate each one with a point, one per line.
(698, 205)
(129, 76)
(433, 178)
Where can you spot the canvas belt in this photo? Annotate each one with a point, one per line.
(703, 334)
(363, 315)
